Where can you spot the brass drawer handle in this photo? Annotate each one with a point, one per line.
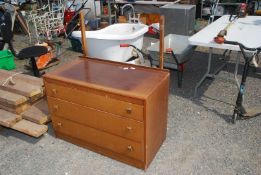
(129, 128)
(128, 110)
(59, 124)
(54, 91)
(55, 108)
(130, 148)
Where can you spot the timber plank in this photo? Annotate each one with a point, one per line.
(8, 119)
(22, 77)
(43, 106)
(10, 99)
(35, 115)
(16, 110)
(30, 128)
(38, 113)
(31, 91)
(25, 85)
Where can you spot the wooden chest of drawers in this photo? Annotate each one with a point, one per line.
(116, 109)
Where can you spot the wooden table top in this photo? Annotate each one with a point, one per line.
(108, 75)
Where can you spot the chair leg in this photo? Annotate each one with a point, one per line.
(34, 67)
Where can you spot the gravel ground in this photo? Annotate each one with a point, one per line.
(200, 138)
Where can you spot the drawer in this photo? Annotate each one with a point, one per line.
(100, 102)
(121, 126)
(99, 138)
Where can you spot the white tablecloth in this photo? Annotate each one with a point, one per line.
(244, 30)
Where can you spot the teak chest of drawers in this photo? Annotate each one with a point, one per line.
(116, 109)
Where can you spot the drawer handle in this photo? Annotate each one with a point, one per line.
(129, 129)
(55, 108)
(54, 91)
(130, 148)
(59, 124)
(128, 110)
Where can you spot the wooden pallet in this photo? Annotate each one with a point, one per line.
(30, 122)
(22, 106)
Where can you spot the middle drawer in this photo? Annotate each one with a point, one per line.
(100, 120)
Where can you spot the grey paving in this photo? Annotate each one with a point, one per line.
(200, 138)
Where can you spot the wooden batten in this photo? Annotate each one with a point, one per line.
(17, 93)
(25, 89)
(30, 128)
(38, 113)
(10, 99)
(16, 110)
(162, 28)
(22, 77)
(83, 34)
(24, 85)
(8, 119)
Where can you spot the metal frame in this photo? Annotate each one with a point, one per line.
(46, 21)
(214, 75)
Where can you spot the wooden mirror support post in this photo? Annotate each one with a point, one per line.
(162, 28)
(84, 44)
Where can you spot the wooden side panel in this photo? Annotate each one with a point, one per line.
(156, 120)
(100, 120)
(100, 102)
(99, 138)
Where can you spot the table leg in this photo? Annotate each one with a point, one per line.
(206, 74)
(213, 75)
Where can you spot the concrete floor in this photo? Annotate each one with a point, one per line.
(200, 138)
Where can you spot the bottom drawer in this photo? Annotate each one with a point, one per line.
(99, 138)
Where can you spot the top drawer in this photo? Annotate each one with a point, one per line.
(100, 102)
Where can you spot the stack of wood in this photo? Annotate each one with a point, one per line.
(22, 103)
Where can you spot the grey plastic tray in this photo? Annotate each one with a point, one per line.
(181, 47)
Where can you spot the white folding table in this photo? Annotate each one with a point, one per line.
(245, 30)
